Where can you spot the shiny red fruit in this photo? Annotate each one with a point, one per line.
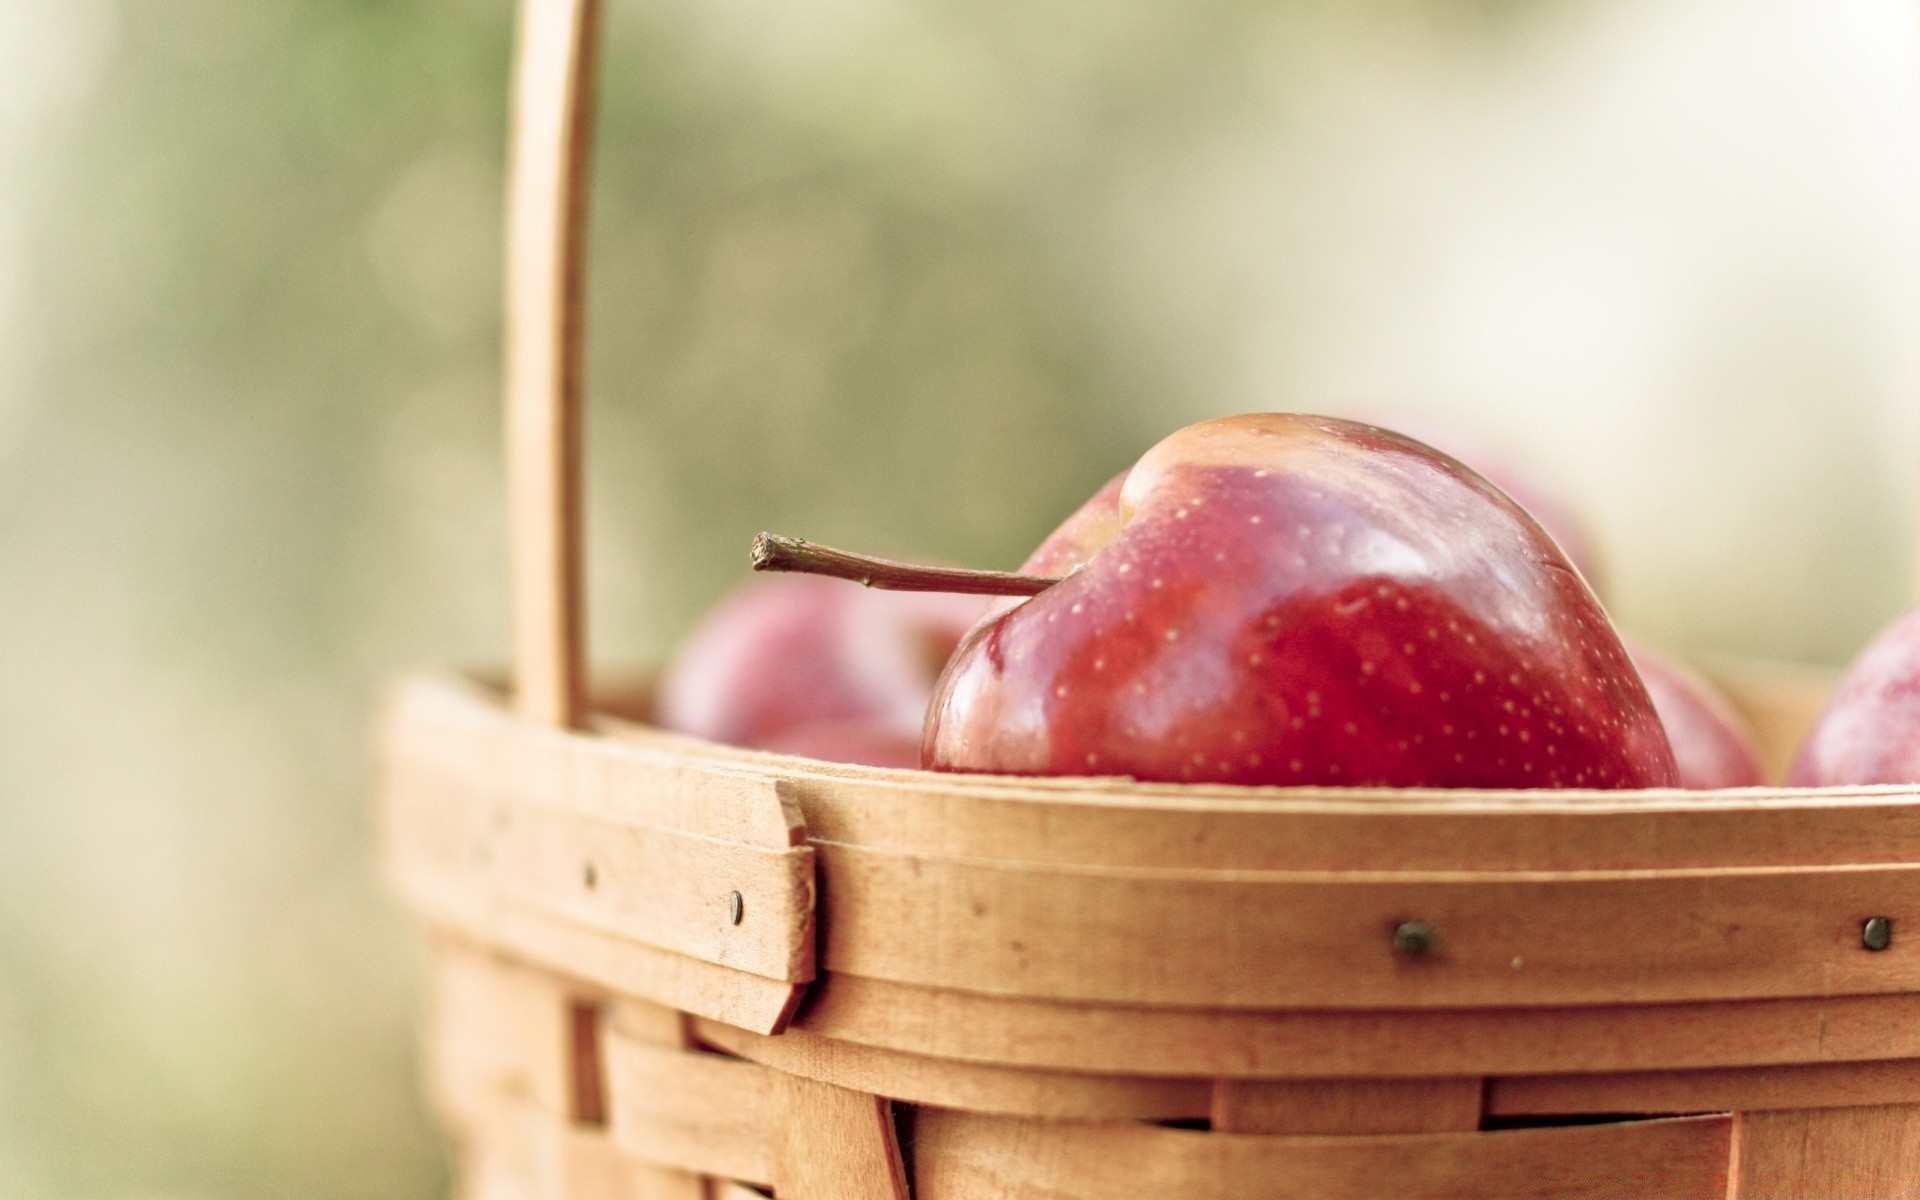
(1284, 599)
(1870, 731)
(1524, 484)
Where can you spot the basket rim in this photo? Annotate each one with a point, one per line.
(1124, 791)
(1138, 903)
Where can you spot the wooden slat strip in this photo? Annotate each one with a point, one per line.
(1744, 1089)
(1347, 1106)
(832, 1143)
(1324, 940)
(595, 1169)
(1248, 1044)
(1828, 1154)
(461, 736)
(961, 1156)
(503, 1153)
(655, 1025)
(517, 1151)
(493, 1028)
(661, 887)
(1016, 1091)
(629, 968)
(546, 218)
(971, 1086)
(491, 826)
(497, 1067)
(700, 1113)
(1370, 831)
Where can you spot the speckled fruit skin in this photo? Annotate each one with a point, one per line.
(815, 666)
(1527, 487)
(1284, 599)
(1870, 731)
(1712, 745)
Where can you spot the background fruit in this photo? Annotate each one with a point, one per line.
(815, 666)
(1870, 731)
(1712, 745)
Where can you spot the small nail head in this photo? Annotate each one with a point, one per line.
(1414, 939)
(1877, 933)
(736, 907)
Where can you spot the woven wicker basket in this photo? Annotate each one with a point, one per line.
(665, 968)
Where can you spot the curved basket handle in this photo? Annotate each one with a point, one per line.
(550, 144)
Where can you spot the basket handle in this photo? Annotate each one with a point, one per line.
(550, 145)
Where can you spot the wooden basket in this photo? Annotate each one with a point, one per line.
(665, 968)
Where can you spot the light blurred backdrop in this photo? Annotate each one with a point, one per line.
(909, 275)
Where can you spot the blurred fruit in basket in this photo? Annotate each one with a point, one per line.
(873, 743)
(1285, 599)
(1870, 730)
(1526, 485)
(811, 666)
(1712, 744)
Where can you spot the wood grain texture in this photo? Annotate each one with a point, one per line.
(493, 1029)
(696, 1112)
(1868, 1153)
(550, 144)
(606, 861)
(498, 1070)
(1347, 1106)
(518, 1152)
(660, 887)
(595, 1169)
(832, 1143)
(502, 1152)
(1322, 940)
(655, 1025)
(615, 964)
(985, 884)
(975, 1087)
(460, 735)
(960, 1156)
(1746, 1089)
(1278, 1044)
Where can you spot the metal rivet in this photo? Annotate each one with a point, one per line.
(1413, 939)
(736, 907)
(589, 876)
(1877, 933)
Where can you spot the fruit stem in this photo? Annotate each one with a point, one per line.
(771, 552)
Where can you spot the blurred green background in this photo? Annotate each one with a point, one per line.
(910, 275)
